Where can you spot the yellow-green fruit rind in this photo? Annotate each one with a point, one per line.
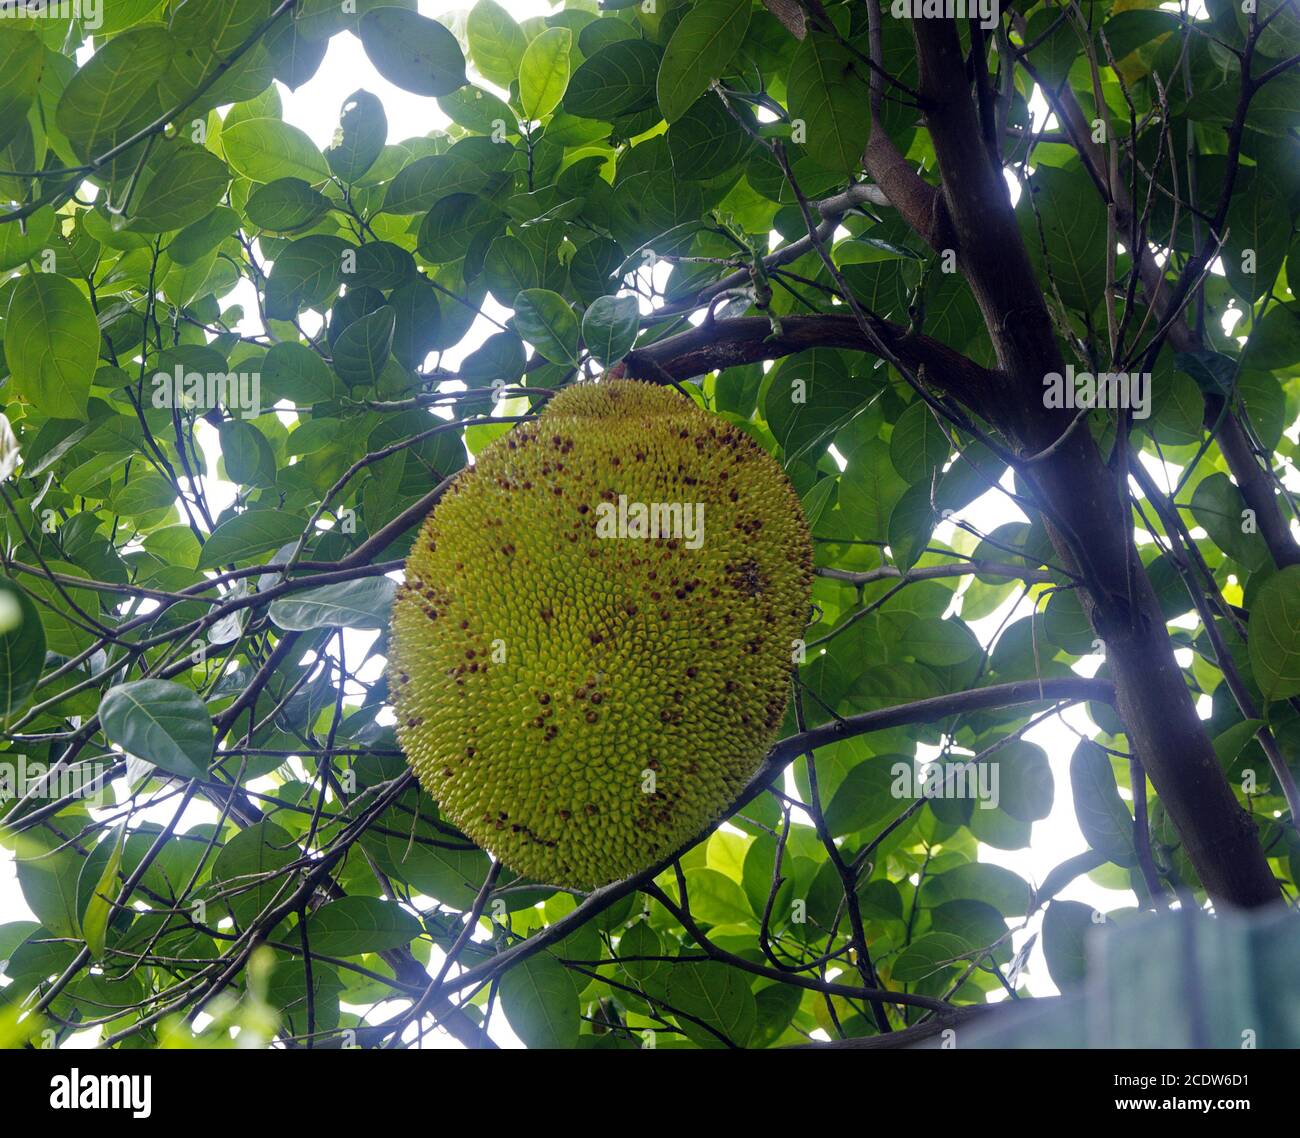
(581, 705)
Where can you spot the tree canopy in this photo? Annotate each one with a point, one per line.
(921, 256)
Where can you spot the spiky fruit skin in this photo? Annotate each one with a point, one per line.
(581, 705)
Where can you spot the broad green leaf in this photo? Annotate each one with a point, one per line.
(619, 79)
(540, 1002)
(828, 95)
(422, 183)
(546, 321)
(496, 44)
(115, 94)
(811, 395)
(186, 186)
(1065, 203)
(360, 138)
(21, 60)
(716, 994)
(609, 328)
(22, 648)
(293, 371)
(306, 272)
(247, 870)
(161, 722)
(53, 361)
(364, 347)
(1274, 635)
(266, 149)
(352, 926)
(1103, 817)
(918, 445)
(926, 955)
(285, 205)
(248, 534)
(1025, 784)
(544, 73)
(412, 51)
(364, 603)
(701, 47)
(978, 881)
(1065, 932)
(99, 909)
(47, 876)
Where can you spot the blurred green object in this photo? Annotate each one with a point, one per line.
(1176, 980)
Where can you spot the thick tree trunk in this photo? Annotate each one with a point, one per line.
(1084, 502)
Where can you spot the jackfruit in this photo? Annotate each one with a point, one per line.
(583, 676)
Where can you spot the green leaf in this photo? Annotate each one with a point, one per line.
(425, 181)
(364, 346)
(707, 141)
(1229, 744)
(306, 272)
(978, 881)
(52, 344)
(541, 1003)
(360, 139)
(161, 722)
(412, 51)
(1065, 203)
(21, 58)
(863, 797)
(617, 80)
(47, 877)
(265, 149)
(1274, 635)
(115, 93)
(248, 534)
(702, 45)
(99, 909)
(812, 394)
(927, 955)
(1218, 507)
(546, 321)
(1065, 931)
(248, 456)
(1103, 817)
(911, 525)
(247, 868)
(918, 445)
(544, 73)
(285, 205)
(1025, 784)
(22, 647)
(186, 186)
(364, 603)
(828, 94)
(716, 994)
(352, 926)
(496, 43)
(609, 328)
(641, 940)
(293, 371)
(1274, 343)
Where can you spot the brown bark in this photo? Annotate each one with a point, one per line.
(1085, 503)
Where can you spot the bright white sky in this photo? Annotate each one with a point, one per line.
(315, 108)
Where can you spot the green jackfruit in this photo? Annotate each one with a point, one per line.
(580, 696)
